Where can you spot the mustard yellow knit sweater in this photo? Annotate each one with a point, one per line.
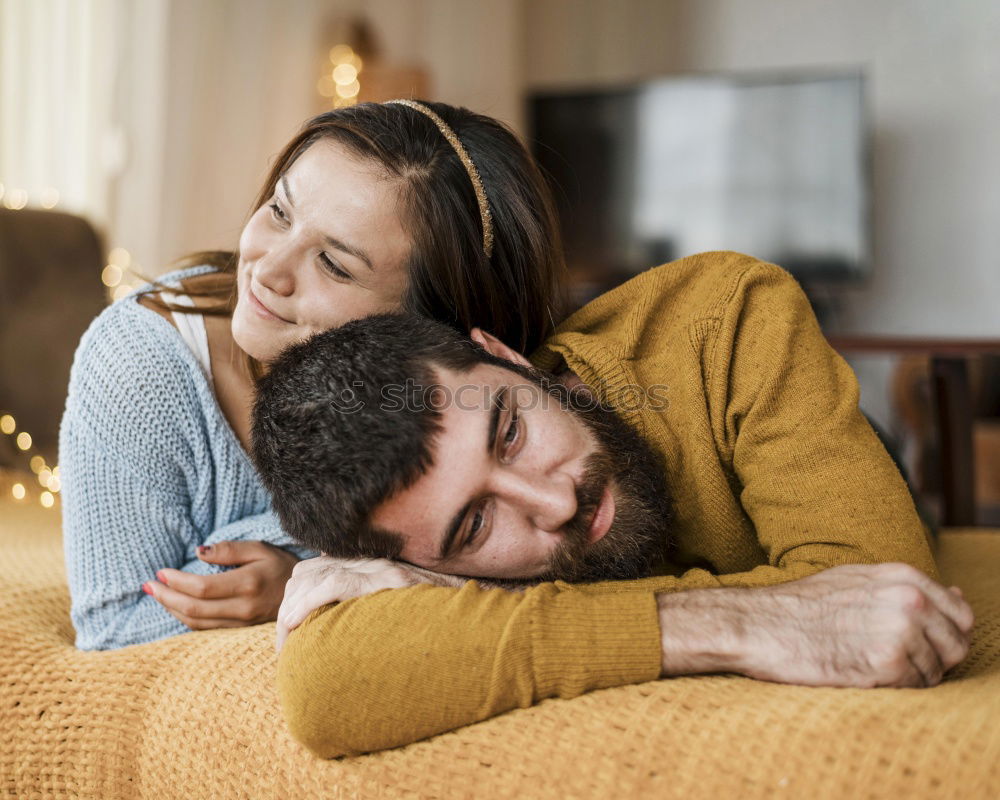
(775, 472)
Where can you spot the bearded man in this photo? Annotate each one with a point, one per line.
(653, 496)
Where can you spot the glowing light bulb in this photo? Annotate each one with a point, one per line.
(24, 440)
(341, 53)
(111, 275)
(47, 499)
(43, 477)
(37, 464)
(351, 90)
(121, 291)
(55, 472)
(345, 74)
(18, 491)
(55, 484)
(16, 199)
(49, 197)
(7, 424)
(120, 257)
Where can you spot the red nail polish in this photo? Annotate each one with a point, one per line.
(160, 578)
(204, 549)
(146, 588)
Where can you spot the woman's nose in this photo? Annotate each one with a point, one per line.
(547, 501)
(274, 270)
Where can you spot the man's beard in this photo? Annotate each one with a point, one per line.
(639, 535)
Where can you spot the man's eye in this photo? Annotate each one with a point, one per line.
(474, 527)
(512, 429)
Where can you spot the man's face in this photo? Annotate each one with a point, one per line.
(530, 483)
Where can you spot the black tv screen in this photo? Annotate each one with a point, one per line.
(777, 168)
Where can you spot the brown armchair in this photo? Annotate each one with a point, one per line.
(50, 290)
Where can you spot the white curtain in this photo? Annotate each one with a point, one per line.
(66, 92)
(158, 119)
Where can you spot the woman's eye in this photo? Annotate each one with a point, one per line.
(277, 213)
(332, 268)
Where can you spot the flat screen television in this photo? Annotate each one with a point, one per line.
(773, 167)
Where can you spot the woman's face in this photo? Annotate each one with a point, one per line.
(326, 248)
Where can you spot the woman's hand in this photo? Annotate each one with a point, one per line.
(247, 595)
(319, 581)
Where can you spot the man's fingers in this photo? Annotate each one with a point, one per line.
(951, 604)
(293, 593)
(295, 590)
(950, 644)
(203, 587)
(948, 602)
(924, 670)
(232, 553)
(321, 595)
(285, 611)
(303, 594)
(297, 612)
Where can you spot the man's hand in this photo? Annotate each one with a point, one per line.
(247, 595)
(317, 582)
(862, 626)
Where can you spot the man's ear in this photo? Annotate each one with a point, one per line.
(495, 347)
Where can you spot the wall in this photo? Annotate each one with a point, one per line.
(239, 81)
(934, 71)
(207, 92)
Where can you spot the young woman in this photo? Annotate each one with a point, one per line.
(418, 206)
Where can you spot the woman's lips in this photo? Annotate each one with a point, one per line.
(262, 310)
(604, 515)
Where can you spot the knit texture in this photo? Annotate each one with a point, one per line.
(197, 716)
(150, 469)
(775, 472)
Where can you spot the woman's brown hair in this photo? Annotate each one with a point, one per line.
(517, 293)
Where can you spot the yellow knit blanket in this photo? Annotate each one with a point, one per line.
(197, 716)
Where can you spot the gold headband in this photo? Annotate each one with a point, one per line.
(477, 183)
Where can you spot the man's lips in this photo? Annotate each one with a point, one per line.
(260, 308)
(604, 515)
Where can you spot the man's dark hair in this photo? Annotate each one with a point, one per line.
(324, 442)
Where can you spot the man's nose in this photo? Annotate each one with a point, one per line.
(548, 501)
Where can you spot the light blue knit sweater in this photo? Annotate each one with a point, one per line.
(150, 469)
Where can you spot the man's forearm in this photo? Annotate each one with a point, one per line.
(700, 631)
(861, 625)
(400, 665)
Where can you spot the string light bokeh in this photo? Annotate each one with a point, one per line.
(342, 81)
(49, 482)
(120, 278)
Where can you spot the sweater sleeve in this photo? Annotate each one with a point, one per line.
(403, 664)
(132, 442)
(814, 479)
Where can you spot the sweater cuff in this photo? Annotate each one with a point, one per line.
(584, 642)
